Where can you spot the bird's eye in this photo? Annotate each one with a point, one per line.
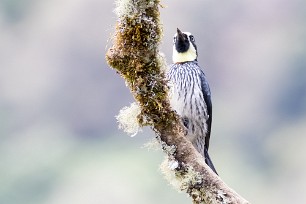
(174, 39)
(191, 38)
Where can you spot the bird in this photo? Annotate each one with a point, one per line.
(190, 94)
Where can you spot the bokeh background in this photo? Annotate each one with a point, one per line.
(58, 98)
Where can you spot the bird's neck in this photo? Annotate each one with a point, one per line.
(189, 55)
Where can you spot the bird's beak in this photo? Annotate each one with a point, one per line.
(180, 35)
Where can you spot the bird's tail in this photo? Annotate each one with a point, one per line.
(208, 161)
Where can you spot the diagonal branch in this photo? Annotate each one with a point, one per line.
(135, 56)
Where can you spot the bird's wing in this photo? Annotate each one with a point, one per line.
(207, 99)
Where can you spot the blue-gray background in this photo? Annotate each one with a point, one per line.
(58, 98)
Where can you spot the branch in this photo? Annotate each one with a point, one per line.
(135, 56)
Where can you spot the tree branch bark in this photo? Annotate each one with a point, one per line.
(135, 56)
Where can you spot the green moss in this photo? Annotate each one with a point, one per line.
(135, 57)
(138, 36)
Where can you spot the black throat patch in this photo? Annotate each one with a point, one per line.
(182, 43)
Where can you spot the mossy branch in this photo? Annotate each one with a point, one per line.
(135, 56)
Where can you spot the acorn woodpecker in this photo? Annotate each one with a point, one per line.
(190, 93)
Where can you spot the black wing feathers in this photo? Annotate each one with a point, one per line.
(207, 99)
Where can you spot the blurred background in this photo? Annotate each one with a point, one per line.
(59, 138)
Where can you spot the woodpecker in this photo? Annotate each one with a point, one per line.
(190, 94)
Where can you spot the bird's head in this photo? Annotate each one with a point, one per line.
(184, 47)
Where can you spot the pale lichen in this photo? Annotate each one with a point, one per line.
(190, 179)
(162, 62)
(169, 149)
(153, 144)
(182, 178)
(126, 8)
(222, 196)
(128, 119)
(173, 164)
(170, 175)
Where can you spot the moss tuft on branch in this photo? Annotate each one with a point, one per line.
(135, 56)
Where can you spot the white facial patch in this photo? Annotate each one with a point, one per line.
(189, 55)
